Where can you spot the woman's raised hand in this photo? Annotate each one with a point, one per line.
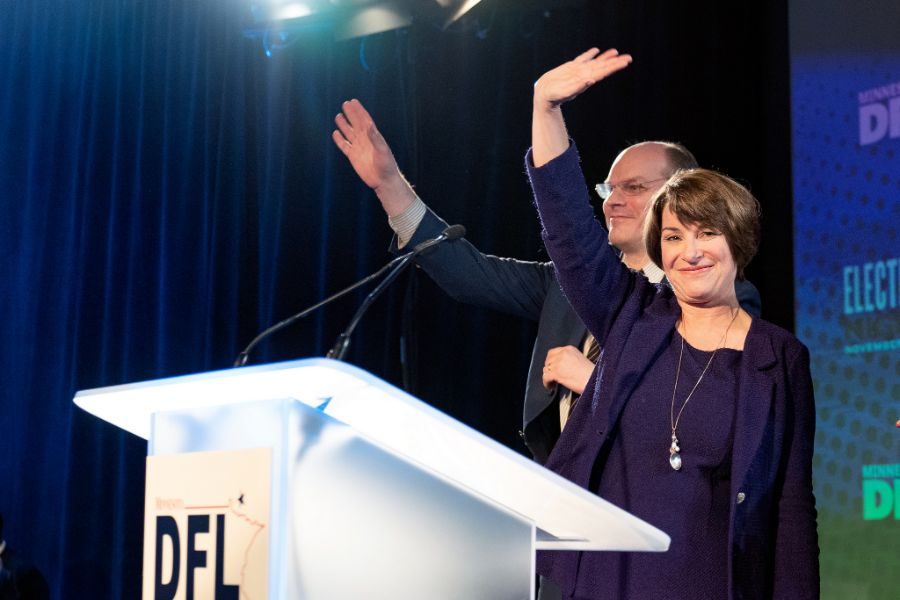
(570, 79)
(549, 138)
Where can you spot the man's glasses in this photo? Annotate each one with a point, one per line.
(629, 188)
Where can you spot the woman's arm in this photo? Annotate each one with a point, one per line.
(589, 271)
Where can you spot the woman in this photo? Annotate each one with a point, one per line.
(698, 418)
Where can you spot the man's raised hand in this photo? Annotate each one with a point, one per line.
(371, 157)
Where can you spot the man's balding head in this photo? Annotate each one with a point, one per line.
(635, 175)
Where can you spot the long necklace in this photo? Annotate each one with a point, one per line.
(675, 450)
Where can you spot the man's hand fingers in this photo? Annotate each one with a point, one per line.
(346, 129)
(547, 380)
(356, 114)
(341, 142)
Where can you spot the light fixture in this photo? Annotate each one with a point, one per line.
(352, 18)
(455, 9)
(368, 18)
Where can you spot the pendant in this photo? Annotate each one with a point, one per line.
(674, 456)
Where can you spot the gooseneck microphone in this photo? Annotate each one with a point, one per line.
(450, 233)
(342, 343)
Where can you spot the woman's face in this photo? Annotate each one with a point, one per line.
(697, 262)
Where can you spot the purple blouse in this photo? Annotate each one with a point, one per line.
(634, 473)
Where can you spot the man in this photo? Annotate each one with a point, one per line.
(563, 355)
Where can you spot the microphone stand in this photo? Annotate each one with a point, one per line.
(340, 348)
(241, 359)
(343, 340)
(451, 233)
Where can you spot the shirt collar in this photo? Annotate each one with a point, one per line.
(652, 272)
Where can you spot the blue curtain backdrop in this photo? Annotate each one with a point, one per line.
(168, 190)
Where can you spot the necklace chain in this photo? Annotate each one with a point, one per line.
(674, 449)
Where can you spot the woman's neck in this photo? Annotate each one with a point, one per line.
(709, 328)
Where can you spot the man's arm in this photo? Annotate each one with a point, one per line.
(507, 285)
(467, 275)
(462, 271)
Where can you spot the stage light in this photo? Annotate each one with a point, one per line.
(372, 18)
(354, 18)
(285, 10)
(456, 9)
(346, 18)
(294, 10)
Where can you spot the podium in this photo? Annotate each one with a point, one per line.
(315, 479)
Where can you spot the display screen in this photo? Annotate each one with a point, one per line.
(846, 166)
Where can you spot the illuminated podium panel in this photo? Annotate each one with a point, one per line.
(315, 479)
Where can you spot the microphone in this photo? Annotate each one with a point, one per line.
(342, 343)
(453, 232)
(450, 233)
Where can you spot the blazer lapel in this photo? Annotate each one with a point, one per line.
(754, 401)
(648, 337)
(558, 326)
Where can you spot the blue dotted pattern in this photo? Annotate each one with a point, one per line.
(846, 212)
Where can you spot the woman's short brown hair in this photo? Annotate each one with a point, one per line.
(708, 199)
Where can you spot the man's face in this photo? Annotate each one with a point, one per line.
(639, 171)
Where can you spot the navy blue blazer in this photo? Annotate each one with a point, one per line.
(525, 289)
(772, 533)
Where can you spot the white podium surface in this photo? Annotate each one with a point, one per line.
(567, 516)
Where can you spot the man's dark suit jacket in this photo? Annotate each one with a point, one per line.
(525, 289)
